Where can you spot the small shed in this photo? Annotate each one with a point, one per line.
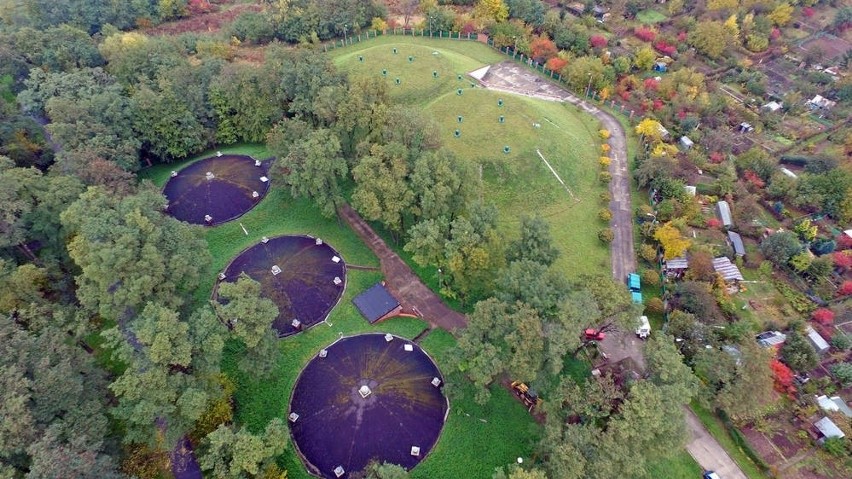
(736, 242)
(661, 67)
(769, 339)
(820, 102)
(723, 211)
(675, 267)
(772, 106)
(377, 303)
(745, 127)
(634, 282)
(827, 429)
(686, 143)
(664, 134)
(729, 271)
(834, 404)
(690, 190)
(817, 341)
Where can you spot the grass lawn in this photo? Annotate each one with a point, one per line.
(718, 431)
(518, 182)
(679, 466)
(650, 17)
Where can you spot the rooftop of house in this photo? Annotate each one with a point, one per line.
(728, 270)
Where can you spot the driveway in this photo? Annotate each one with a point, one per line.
(513, 78)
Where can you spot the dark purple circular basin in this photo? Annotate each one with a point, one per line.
(217, 189)
(367, 398)
(304, 276)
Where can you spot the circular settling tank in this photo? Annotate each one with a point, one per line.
(367, 397)
(302, 275)
(217, 189)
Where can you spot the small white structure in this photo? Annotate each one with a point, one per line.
(771, 339)
(218, 153)
(436, 382)
(323, 353)
(208, 218)
(644, 329)
(276, 270)
(339, 471)
(255, 194)
(827, 429)
(408, 347)
(318, 241)
(335, 259)
(834, 404)
(174, 173)
(820, 102)
(296, 323)
(723, 211)
(222, 276)
(263, 179)
(264, 240)
(745, 127)
(364, 391)
(415, 451)
(690, 190)
(789, 173)
(293, 417)
(209, 175)
(772, 106)
(388, 337)
(686, 143)
(256, 162)
(817, 341)
(337, 280)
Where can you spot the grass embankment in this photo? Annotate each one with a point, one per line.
(518, 182)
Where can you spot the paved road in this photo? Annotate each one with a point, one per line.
(406, 287)
(511, 77)
(707, 451)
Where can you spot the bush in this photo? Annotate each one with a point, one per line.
(604, 177)
(836, 446)
(845, 289)
(605, 197)
(651, 277)
(842, 372)
(604, 134)
(604, 161)
(606, 235)
(605, 215)
(714, 223)
(645, 34)
(648, 253)
(799, 301)
(597, 41)
(842, 341)
(655, 305)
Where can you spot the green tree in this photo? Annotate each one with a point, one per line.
(377, 470)
(312, 166)
(500, 338)
(780, 247)
(535, 244)
(516, 472)
(798, 353)
(130, 253)
(584, 69)
(250, 317)
(246, 102)
(532, 283)
(440, 184)
(53, 406)
(843, 373)
(747, 393)
(645, 58)
(171, 374)
(240, 454)
(492, 10)
(381, 190)
(167, 127)
(709, 37)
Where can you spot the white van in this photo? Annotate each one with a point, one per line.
(644, 329)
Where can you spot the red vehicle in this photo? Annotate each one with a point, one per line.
(594, 335)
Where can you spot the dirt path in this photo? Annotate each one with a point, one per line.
(401, 281)
(513, 78)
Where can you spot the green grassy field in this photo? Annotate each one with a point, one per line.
(650, 17)
(518, 182)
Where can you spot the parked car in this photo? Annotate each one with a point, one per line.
(711, 475)
(644, 328)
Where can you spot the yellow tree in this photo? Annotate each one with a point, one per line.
(673, 243)
(651, 130)
(491, 9)
(645, 58)
(782, 14)
(722, 4)
(732, 27)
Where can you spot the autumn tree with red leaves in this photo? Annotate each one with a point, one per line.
(843, 259)
(542, 49)
(823, 316)
(783, 377)
(845, 289)
(714, 223)
(556, 64)
(597, 41)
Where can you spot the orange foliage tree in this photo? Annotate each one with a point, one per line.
(542, 49)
